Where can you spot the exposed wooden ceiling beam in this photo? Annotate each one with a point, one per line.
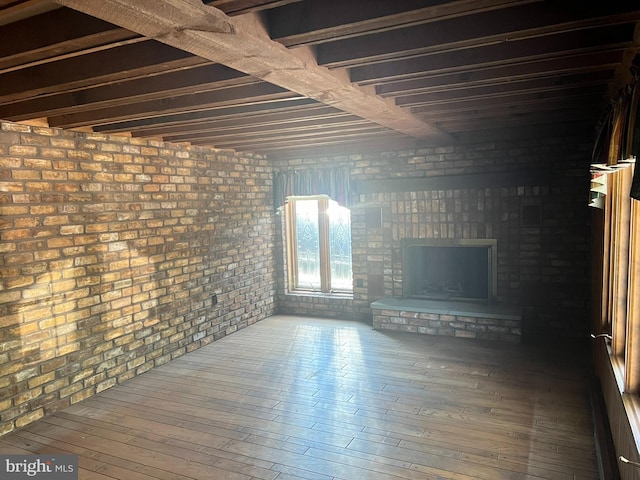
(545, 84)
(323, 146)
(490, 28)
(207, 32)
(320, 147)
(240, 7)
(317, 114)
(517, 52)
(323, 135)
(303, 126)
(18, 11)
(526, 131)
(153, 87)
(61, 32)
(318, 21)
(108, 66)
(530, 118)
(182, 120)
(443, 109)
(240, 95)
(480, 115)
(505, 74)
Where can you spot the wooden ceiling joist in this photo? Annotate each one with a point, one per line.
(15, 12)
(317, 115)
(268, 76)
(510, 110)
(322, 135)
(564, 45)
(551, 99)
(240, 95)
(176, 121)
(320, 21)
(584, 64)
(61, 32)
(571, 116)
(548, 84)
(302, 126)
(484, 29)
(116, 64)
(199, 79)
(207, 32)
(239, 7)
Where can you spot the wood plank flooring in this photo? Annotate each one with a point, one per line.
(299, 398)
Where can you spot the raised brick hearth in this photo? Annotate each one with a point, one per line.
(458, 319)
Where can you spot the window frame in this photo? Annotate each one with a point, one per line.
(291, 247)
(621, 279)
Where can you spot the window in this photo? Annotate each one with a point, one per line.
(318, 239)
(620, 280)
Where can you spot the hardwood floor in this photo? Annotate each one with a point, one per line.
(299, 398)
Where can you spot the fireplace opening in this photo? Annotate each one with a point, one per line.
(449, 269)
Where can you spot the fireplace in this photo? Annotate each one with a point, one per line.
(450, 269)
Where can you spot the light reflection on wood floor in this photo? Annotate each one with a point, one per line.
(300, 398)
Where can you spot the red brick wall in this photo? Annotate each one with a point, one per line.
(111, 250)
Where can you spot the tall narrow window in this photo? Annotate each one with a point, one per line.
(307, 238)
(318, 234)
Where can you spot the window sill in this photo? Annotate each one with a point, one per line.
(617, 364)
(632, 408)
(630, 402)
(336, 295)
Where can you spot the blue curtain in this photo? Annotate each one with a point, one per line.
(334, 182)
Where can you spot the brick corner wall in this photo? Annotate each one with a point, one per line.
(543, 266)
